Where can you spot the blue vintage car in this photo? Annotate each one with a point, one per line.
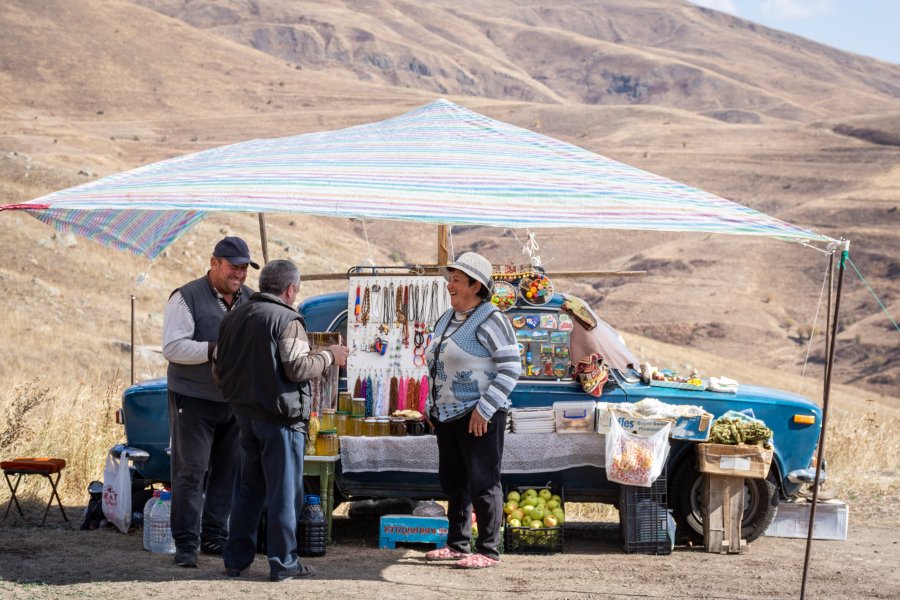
(795, 421)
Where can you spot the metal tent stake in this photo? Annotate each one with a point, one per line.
(829, 367)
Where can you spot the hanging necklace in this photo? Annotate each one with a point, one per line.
(366, 306)
(434, 308)
(418, 326)
(403, 312)
(356, 306)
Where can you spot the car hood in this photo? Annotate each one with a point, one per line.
(747, 395)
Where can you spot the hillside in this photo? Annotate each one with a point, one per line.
(796, 129)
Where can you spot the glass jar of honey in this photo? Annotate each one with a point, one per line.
(327, 443)
(369, 427)
(327, 420)
(345, 401)
(398, 426)
(358, 407)
(354, 425)
(382, 426)
(341, 419)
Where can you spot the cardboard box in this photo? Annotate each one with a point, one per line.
(739, 460)
(696, 428)
(792, 520)
(575, 417)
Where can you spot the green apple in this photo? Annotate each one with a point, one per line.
(530, 501)
(530, 492)
(560, 515)
(551, 504)
(545, 494)
(537, 512)
(550, 520)
(514, 523)
(526, 509)
(513, 495)
(536, 524)
(541, 501)
(516, 514)
(526, 521)
(557, 498)
(510, 506)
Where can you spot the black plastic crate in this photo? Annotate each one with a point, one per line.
(525, 540)
(528, 540)
(501, 546)
(644, 518)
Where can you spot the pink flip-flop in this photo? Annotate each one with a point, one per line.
(477, 561)
(445, 553)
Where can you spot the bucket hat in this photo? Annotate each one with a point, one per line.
(475, 266)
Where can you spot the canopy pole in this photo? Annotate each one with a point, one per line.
(828, 339)
(262, 237)
(826, 393)
(132, 339)
(442, 245)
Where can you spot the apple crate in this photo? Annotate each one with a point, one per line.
(529, 540)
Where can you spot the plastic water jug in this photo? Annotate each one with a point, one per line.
(161, 541)
(312, 528)
(148, 508)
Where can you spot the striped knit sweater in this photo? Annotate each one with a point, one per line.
(477, 364)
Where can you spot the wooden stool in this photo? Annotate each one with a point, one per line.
(44, 467)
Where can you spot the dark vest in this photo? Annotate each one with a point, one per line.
(249, 364)
(196, 381)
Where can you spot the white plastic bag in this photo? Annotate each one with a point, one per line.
(117, 491)
(635, 460)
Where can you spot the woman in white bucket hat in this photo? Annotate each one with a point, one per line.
(474, 364)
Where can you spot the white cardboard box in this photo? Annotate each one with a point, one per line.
(696, 428)
(792, 520)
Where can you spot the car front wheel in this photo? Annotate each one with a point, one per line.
(686, 494)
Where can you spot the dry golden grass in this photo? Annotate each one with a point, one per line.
(76, 423)
(863, 456)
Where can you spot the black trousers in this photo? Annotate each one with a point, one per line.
(469, 472)
(204, 440)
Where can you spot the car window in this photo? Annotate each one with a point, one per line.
(340, 326)
(543, 338)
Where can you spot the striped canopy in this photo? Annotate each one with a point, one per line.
(440, 163)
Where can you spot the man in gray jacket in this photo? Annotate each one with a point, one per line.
(263, 363)
(203, 429)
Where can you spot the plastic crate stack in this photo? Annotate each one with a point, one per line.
(644, 518)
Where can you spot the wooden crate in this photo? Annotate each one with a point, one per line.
(741, 460)
(723, 511)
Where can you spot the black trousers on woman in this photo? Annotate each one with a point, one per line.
(469, 472)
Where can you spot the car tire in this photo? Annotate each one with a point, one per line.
(685, 492)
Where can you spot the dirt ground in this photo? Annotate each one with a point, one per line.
(61, 562)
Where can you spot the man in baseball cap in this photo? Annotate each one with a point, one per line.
(203, 428)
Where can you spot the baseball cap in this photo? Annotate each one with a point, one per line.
(234, 250)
